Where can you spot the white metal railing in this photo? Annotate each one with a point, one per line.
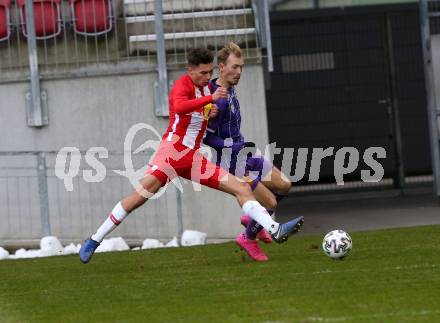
(195, 34)
(187, 15)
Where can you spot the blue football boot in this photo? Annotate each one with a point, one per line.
(287, 229)
(87, 249)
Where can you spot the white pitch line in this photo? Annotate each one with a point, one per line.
(367, 316)
(329, 271)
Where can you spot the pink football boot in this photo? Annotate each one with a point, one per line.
(251, 247)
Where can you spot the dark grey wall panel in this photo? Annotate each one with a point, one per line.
(331, 74)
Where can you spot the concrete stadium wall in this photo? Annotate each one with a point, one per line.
(98, 111)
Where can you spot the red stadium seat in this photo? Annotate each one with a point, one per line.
(5, 30)
(91, 17)
(47, 15)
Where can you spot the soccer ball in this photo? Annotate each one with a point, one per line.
(337, 244)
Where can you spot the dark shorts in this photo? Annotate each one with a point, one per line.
(257, 168)
(254, 168)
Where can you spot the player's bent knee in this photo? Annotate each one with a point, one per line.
(285, 186)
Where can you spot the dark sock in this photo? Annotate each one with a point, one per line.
(253, 228)
(278, 196)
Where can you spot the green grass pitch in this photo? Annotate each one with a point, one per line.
(390, 276)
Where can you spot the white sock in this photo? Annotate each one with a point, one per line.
(115, 218)
(259, 214)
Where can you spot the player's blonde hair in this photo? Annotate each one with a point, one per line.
(229, 49)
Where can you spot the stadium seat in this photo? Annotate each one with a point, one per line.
(91, 17)
(47, 15)
(5, 30)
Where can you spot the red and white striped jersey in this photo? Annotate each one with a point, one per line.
(189, 105)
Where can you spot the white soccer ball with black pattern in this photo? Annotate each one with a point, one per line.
(337, 244)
